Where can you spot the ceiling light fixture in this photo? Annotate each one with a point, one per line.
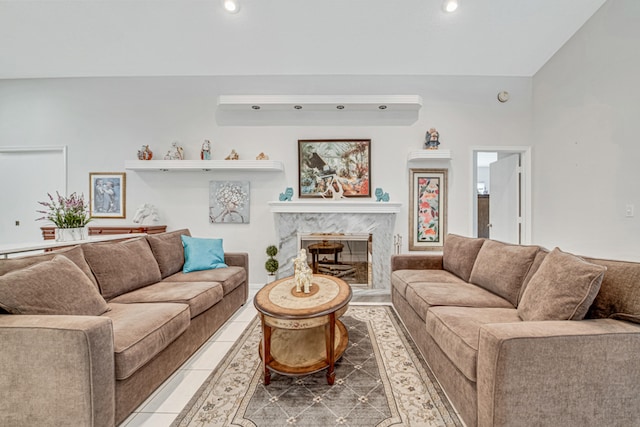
(340, 107)
(450, 5)
(231, 6)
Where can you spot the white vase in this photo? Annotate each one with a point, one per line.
(270, 278)
(71, 234)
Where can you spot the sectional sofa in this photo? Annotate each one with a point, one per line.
(522, 336)
(88, 333)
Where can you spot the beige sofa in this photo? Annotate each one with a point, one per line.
(522, 336)
(97, 328)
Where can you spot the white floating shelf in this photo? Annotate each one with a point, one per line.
(318, 109)
(429, 155)
(205, 165)
(334, 206)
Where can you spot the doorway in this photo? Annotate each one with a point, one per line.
(27, 174)
(501, 194)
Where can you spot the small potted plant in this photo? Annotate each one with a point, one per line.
(70, 216)
(272, 264)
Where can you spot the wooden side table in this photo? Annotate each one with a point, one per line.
(48, 232)
(301, 332)
(324, 248)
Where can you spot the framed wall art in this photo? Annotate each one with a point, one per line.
(107, 194)
(427, 209)
(229, 202)
(334, 168)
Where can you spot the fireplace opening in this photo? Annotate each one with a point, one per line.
(344, 255)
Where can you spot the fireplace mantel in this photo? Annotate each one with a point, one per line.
(334, 206)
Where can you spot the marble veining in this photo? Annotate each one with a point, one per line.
(379, 225)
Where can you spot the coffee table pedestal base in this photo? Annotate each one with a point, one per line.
(302, 351)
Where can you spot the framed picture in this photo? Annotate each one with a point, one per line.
(334, 168)
(427, 209)
(107, 194)
(229, 202)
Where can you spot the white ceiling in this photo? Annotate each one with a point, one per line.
(72, 38)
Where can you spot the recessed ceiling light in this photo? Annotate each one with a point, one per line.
(298, 107)
(340, 107)
(382, 107)
(231, 6)
(450, 5)
(255, 107)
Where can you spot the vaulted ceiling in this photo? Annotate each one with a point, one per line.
(76, 38)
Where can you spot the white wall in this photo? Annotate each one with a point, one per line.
(586, 106)
(104, 121)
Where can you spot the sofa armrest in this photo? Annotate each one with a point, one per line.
(56, 370)
(238, 259)
(559, 373)
(416, 262)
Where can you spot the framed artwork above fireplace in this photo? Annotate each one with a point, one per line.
(334, 168)
(427, 209)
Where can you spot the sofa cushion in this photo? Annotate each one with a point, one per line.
(74, 253)
(168, 250)
(540, 256)
(501, 268)
(400, 279)
(563, 288)
(200, 296)
(422, 296)
(456, 329)
(619, 295)
(141, 331)
(202, 254)
(57, 286)
(121, 267)
(230, 277)
(460, 254)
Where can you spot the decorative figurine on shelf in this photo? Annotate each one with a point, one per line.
(232, 156)
(262, 156)
(176, 152)
(303, 274)
(381, 196)
(145, 153)
(205, 152)
(432, 139)
(146, 214)
(287, 195)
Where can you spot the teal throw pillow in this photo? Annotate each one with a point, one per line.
(202, 254)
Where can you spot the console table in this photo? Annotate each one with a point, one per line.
(49, 245)
(48, 232)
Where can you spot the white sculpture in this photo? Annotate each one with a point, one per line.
(146, 213)
(303, 274)
(176, 152)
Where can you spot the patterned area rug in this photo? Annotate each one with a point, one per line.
(380, 381)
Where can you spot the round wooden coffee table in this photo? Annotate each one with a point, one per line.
(301, 332)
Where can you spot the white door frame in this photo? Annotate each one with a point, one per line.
(61, 149)
(525, 190)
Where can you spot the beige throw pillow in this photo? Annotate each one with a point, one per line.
(51, 287)
(459, 254)
(563, 288)
(501, 268)
(122, 267)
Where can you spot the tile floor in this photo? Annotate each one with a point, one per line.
(161, 408)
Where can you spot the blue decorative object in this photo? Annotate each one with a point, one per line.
(287, 195)
(381, 196)
(202, 254)
(432, 139)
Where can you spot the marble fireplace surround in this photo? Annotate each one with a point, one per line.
(337, 216)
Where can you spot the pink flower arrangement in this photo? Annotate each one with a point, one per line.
(66, 212)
